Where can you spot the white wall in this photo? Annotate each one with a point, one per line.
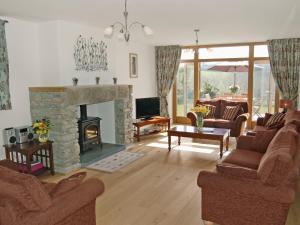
(41, 54)
(22, 45)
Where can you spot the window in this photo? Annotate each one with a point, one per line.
(224, 72)
(224, 80)
(224, 52)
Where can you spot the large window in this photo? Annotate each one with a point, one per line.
(233, 72)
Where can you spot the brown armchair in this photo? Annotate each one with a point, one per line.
(236, 126)
(253, 184)
(24, 200)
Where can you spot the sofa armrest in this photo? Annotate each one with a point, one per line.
(193, 117)
(243, 186)
(239, 125)
(68, 203)
(236, 171)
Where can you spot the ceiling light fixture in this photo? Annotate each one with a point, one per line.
(197, 38)
(125, 28)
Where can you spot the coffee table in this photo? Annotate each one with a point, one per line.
(218, 134)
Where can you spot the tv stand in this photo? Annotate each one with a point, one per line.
(163, 121)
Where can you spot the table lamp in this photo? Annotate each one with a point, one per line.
(285, 104)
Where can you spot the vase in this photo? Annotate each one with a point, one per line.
(43, 138)
(200, 120)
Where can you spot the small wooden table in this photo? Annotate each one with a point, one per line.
(155, 120)
(218, 134)
(24, 154)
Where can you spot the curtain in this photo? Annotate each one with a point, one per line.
(5, 103)
(167, 59)
(285, 64)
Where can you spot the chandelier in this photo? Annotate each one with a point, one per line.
(125, 28)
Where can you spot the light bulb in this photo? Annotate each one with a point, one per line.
(108, 31)
(148, 30)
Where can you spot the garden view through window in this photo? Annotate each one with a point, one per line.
(223, 73)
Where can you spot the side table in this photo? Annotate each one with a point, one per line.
(155, 120)
(24, 154)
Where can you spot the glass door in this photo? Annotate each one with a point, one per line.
(184, 89)
(263, 89)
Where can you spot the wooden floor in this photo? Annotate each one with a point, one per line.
(158, 189)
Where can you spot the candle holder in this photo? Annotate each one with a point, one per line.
(115, 80)
(75, 81)
(97, 80)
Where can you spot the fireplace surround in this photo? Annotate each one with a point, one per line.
(61, 104)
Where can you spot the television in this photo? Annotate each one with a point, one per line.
(147, 107)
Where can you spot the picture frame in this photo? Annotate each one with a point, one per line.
(133, 65)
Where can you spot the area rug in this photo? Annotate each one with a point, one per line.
(115, 162)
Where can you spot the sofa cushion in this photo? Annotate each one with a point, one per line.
(278, 159)
(209, 122)
(220, 123)
(245, 158)
(231, 112)
(216, 103)
(234, 170)
(24, 188)
(212, 111)
(275, 120)
(262, 140)
(243, 106)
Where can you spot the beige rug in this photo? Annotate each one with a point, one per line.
(115, 162)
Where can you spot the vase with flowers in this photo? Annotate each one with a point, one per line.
(201, 111)
(41, 128)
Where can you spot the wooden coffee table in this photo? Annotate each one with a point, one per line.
(218, 134)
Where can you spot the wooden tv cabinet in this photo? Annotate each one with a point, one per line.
(159, 120)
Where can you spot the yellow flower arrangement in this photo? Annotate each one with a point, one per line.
(41, 126)
(201, 109)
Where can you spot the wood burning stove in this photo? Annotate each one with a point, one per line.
(89, 130)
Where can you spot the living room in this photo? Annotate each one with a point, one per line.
(224, 56)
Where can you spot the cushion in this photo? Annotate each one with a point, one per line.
(212, 111)
(266, 118)
(68, 184)
(216, 103)
(242, 104)
(24, 188)
(262, 140)
(209, 122)
(231, 112)
(226, 124)
(275, 119)
(245, 158)
(278, 159)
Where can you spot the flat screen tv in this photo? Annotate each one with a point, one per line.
(147, 107)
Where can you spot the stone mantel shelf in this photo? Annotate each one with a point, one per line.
(73, 88)
(87, 94)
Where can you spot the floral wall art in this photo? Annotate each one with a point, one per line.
(5, 102)
(90, 55)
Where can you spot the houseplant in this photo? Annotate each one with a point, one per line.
(41, 128)
(201, 111)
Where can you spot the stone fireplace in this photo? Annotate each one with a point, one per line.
(61, 104)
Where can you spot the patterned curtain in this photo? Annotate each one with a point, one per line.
(4, 72)
(285, 65)
(167, 59)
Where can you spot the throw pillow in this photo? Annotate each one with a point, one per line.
(275, 120)
(68, 184)
(231, 112)
(212, 111)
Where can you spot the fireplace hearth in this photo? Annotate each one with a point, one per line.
(89, 131)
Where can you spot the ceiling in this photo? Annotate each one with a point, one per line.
(219, 21)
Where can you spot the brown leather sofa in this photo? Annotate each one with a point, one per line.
(24, 200)
(236, 126)
(256, 183)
